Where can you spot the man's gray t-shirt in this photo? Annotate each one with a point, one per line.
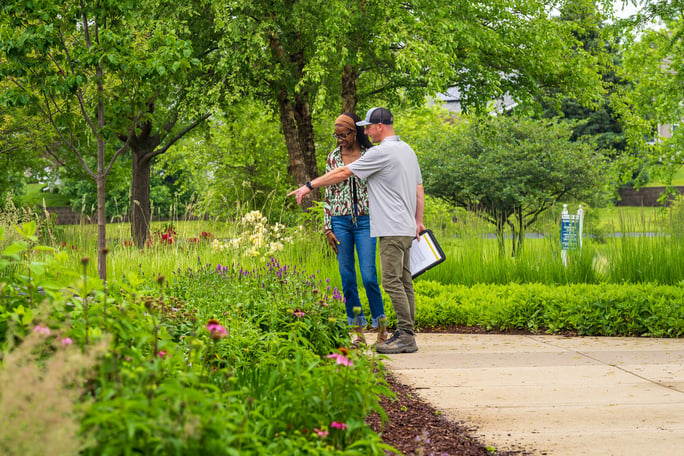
(393, 174)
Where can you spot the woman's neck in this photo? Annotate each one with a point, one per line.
(352, 150)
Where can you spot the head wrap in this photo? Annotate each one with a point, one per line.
(346, 121)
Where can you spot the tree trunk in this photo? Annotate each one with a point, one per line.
(100, 180)
(350, 78)
(101, 226)
(295, 132)
(306, 136)
(143, 148)
(501, 234)
(140, 197)
(521, 229)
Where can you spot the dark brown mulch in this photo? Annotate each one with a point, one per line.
(462, 329)
(416, 428)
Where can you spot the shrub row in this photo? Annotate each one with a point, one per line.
(597, 309)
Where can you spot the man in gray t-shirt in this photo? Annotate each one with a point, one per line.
(395, 189)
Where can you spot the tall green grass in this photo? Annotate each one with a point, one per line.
(634, 246)
(190, 250)
(651, 253)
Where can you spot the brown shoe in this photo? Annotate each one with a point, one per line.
(400, 342)
(359, 339)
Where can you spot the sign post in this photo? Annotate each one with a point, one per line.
(571, 232)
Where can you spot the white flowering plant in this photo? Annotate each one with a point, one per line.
(257, 238)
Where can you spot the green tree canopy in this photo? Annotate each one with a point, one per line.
(299, 55)
(654, 62)
(600, 120)
(239, 164)
(88, 69)
(23, 143)
(509, 170)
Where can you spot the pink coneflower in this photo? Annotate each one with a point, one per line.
(67, 341)
(216, 329)
(341, 359)
(298, 313)
(162, 354)
(40, 329)
(340, 426)
(321, 433)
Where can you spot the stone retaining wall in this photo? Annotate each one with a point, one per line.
(66, 216)
(647, 196)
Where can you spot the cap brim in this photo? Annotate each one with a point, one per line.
(363, 123)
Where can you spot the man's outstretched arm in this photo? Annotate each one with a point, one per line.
(331, 177)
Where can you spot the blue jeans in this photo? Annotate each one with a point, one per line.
(350, 236)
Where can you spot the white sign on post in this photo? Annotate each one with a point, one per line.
(571, 231)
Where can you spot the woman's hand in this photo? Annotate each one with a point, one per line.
(332, 240)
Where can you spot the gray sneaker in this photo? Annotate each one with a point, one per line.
(400, 342)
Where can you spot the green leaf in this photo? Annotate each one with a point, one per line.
(27, 230)
(15, 248)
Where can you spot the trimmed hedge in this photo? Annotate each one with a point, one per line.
(598, 310)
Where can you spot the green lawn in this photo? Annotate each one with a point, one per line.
(35, 196)
(629, 218)
(677, 179)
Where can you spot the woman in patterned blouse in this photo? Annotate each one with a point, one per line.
(347, 225)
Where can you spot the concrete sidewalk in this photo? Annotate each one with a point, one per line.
(555, 395)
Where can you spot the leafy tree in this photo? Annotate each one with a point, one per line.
(298, 55)
(182, 102)
(21, 150)
(654, 61)
(88, 69)
(599, 120)
(509, 170)
(238, 165)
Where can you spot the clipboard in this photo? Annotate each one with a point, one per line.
(425, 254)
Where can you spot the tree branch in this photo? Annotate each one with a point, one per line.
(180, 134)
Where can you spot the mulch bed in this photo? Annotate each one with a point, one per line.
(417, 428)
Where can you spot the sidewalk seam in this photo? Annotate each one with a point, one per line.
(646, 379)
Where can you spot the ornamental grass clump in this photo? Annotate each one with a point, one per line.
(42, 396)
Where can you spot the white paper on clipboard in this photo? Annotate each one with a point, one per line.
(425, 254)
